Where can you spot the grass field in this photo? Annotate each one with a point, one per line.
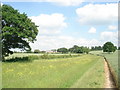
(0, 75)
(83, 71)
(112, 59)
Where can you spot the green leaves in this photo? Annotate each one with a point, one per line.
(62, 50)
(77, 49)
(17, 30)
(109, 47)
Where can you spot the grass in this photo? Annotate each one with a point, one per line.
(0, 75)
(112, 59)
(94, 79)
(57, 73)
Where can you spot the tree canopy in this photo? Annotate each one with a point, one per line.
(109, 47)
(62, 50)
(96, 48)
(77, 49)
(17, 30)
(36, 51)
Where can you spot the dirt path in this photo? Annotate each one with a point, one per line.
(108, 77)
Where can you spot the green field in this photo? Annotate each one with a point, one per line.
(0, 75)
(112, 59)
(77, 72)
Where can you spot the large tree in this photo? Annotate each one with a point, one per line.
(17, 30)
(109, 47)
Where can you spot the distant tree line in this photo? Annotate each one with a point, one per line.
(74, 49)
(96, 48)
(107, 47)
(38, 51)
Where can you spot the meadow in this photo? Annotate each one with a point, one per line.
(84, 71)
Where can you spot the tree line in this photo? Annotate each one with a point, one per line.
(74, 49)
(107, 47)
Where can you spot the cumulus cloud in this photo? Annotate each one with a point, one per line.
(55, 42)
(50, 24)
(109, 36)
(92, 30)
(111, 27)
(98, 14)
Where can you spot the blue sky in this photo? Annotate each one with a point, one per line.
(64, 24)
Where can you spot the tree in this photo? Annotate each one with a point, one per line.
(77, 49)
(118, 48)
(96, 48)
(71, 50)
(17, 30)
(86, 50)
(62, 50)
(36, 51)
(109, 47)
(115, 48)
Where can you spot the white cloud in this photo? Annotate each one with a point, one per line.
(109, 36)
(55, 42)
(50, 24)
(111, 27)
(66, 2)
(58, 2)
(92, 30)
(1, 3)
(55, 20)
(98, 14)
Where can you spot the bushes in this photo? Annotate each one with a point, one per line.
(47, 56)
(38, 57)
(18, 59)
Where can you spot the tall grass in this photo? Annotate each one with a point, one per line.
(51, 73)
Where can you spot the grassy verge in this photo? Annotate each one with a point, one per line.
(57, 73)
(113, 61)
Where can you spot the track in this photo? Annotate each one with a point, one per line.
(110, 83)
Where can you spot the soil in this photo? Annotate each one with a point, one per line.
(108, 77)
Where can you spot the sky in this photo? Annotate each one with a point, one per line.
(64, 23)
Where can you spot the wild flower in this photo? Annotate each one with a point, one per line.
(20, 73)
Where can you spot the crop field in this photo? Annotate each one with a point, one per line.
(112, 59)
(84, 71)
